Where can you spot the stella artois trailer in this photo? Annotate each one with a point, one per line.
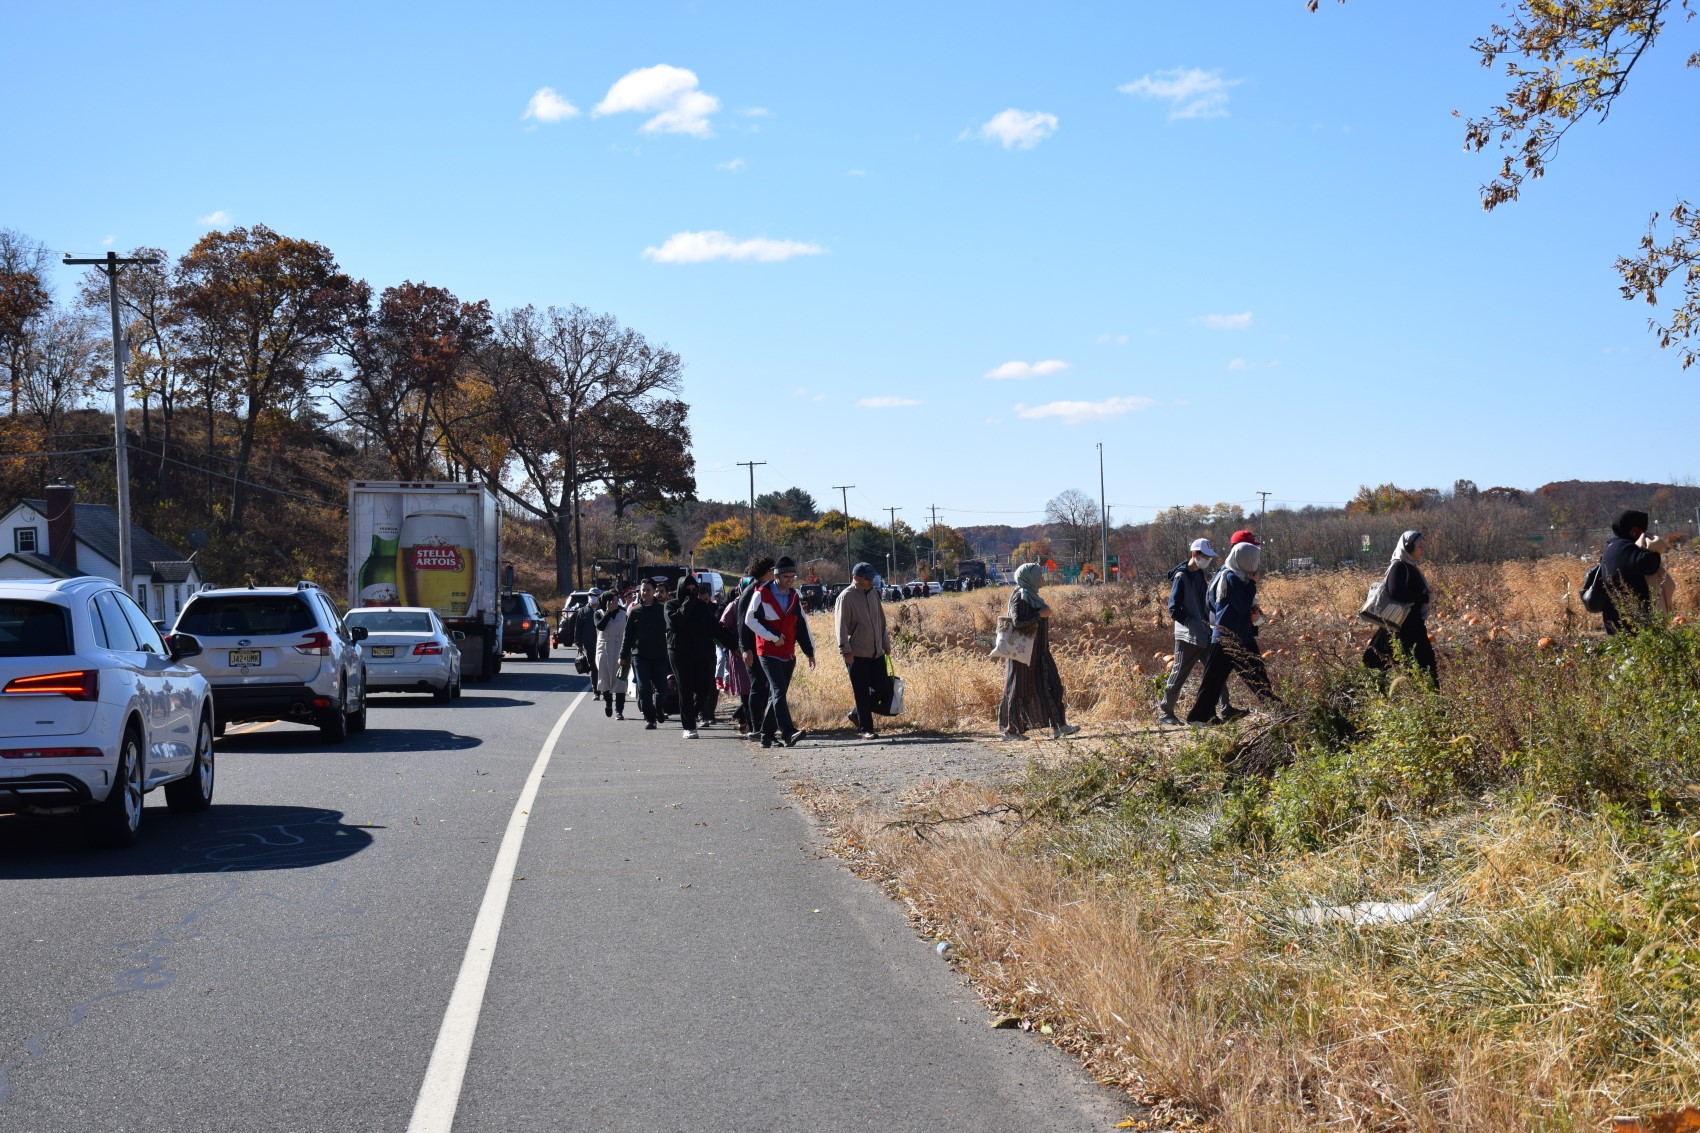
(436, 544)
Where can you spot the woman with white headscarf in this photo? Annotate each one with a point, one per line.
(1404, 582)
(1233, 649)
(1032, 693)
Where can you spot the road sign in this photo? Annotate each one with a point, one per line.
(1050, 564)
(1366, 544)
(1071, 573)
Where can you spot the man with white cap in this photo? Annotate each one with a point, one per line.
(1187, 605)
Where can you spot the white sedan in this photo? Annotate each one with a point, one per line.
(408, 649)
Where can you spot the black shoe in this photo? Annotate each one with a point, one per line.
(1228, 714)
(650, 726)
(795, 737)
(851, 716)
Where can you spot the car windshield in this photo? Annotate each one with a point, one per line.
(390, 621)
(33, 629)
(246, 615)
(513, 604)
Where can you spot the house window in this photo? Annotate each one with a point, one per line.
(142, 596)
(23, 540)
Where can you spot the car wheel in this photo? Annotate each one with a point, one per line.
(543, 651)
(445, 694)
(115, 822)
(457, 688)
(194, 791)
(357, 718)
(218, 729)
(333, 726)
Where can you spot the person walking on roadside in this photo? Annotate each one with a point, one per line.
(691, 633)
(1404, 582)
(610, 619)
(1235, 615)
(755, 698)
(776, 618)
(646, 649)
(1629, 560)
(1032, 693)
(864, 643)
(584, 633)
(1189, 607)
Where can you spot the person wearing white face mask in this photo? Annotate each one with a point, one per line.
(1189, 607)
(1404, 582)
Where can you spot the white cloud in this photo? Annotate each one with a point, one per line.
(1112, 340)
(1189, 91)
(1227, 322)
(214, 219)
(886, 403)
(732, 166)
(855, 173)
(1078, 412)
(1018, 129)
(669, 93)
(756, 112)
(547, 106)
(1018, 371)
(701, 247)
(1238, 365)
(108, 241)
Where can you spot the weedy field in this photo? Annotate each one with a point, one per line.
(1383, 908)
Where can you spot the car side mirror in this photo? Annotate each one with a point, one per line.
(181, 645)
(359, 633)
(458, 635)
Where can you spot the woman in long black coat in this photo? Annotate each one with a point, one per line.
(1404, 582)
(1032, 693)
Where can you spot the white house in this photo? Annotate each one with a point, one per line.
(60, 538)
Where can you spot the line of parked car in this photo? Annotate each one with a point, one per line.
(98, 706)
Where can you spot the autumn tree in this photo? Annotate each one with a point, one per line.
(406, 354)
(24, 299)
(1567, 61)
(62, 365)
(265, 309)
(640, 453)
(153, 373)
(1075, 516)
(792, 503)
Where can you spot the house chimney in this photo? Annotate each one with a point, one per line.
(62, 524)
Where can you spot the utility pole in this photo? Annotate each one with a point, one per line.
(110, 264)
(893, 511)
(1103, 519)
(934, 508)
(752, 465)
(1263, 506)
(849, 563)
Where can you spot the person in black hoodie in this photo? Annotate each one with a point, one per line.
(1190, 610)
(1626, 564)
(1404, 582)
(646, 649)
(692, 629)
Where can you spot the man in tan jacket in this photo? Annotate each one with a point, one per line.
(863, 642)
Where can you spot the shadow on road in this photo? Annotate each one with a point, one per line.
(562, 680)
(376, 740)
(224, 839)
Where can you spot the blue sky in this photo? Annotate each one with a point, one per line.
(1246, 238)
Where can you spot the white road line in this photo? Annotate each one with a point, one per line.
(434, 1111)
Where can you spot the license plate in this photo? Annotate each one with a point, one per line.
(241, 657)
(383, 651)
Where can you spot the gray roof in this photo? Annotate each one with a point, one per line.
(171, 570)
(97, 525)
(52, 568)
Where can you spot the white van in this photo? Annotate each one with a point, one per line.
(712, 580)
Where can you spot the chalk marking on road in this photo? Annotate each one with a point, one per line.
(439, 1094)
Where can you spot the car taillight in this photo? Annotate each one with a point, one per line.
(83, 684)
(316, 644)
(425, 647)
(525, 624)
(53, 753)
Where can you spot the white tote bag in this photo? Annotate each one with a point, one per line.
(1013, 644)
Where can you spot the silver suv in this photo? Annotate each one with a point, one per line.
(278, 653)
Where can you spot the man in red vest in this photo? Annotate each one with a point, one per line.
(776, 618)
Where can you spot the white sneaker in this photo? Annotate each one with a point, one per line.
(690, 735)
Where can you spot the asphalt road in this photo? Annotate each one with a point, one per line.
(674, 952)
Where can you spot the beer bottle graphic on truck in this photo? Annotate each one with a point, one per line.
(378, 585)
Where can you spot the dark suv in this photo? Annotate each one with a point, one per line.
(525, 627)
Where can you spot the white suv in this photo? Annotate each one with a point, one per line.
(279, 653)
(96, 708)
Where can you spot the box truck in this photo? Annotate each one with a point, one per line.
(436, 544)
